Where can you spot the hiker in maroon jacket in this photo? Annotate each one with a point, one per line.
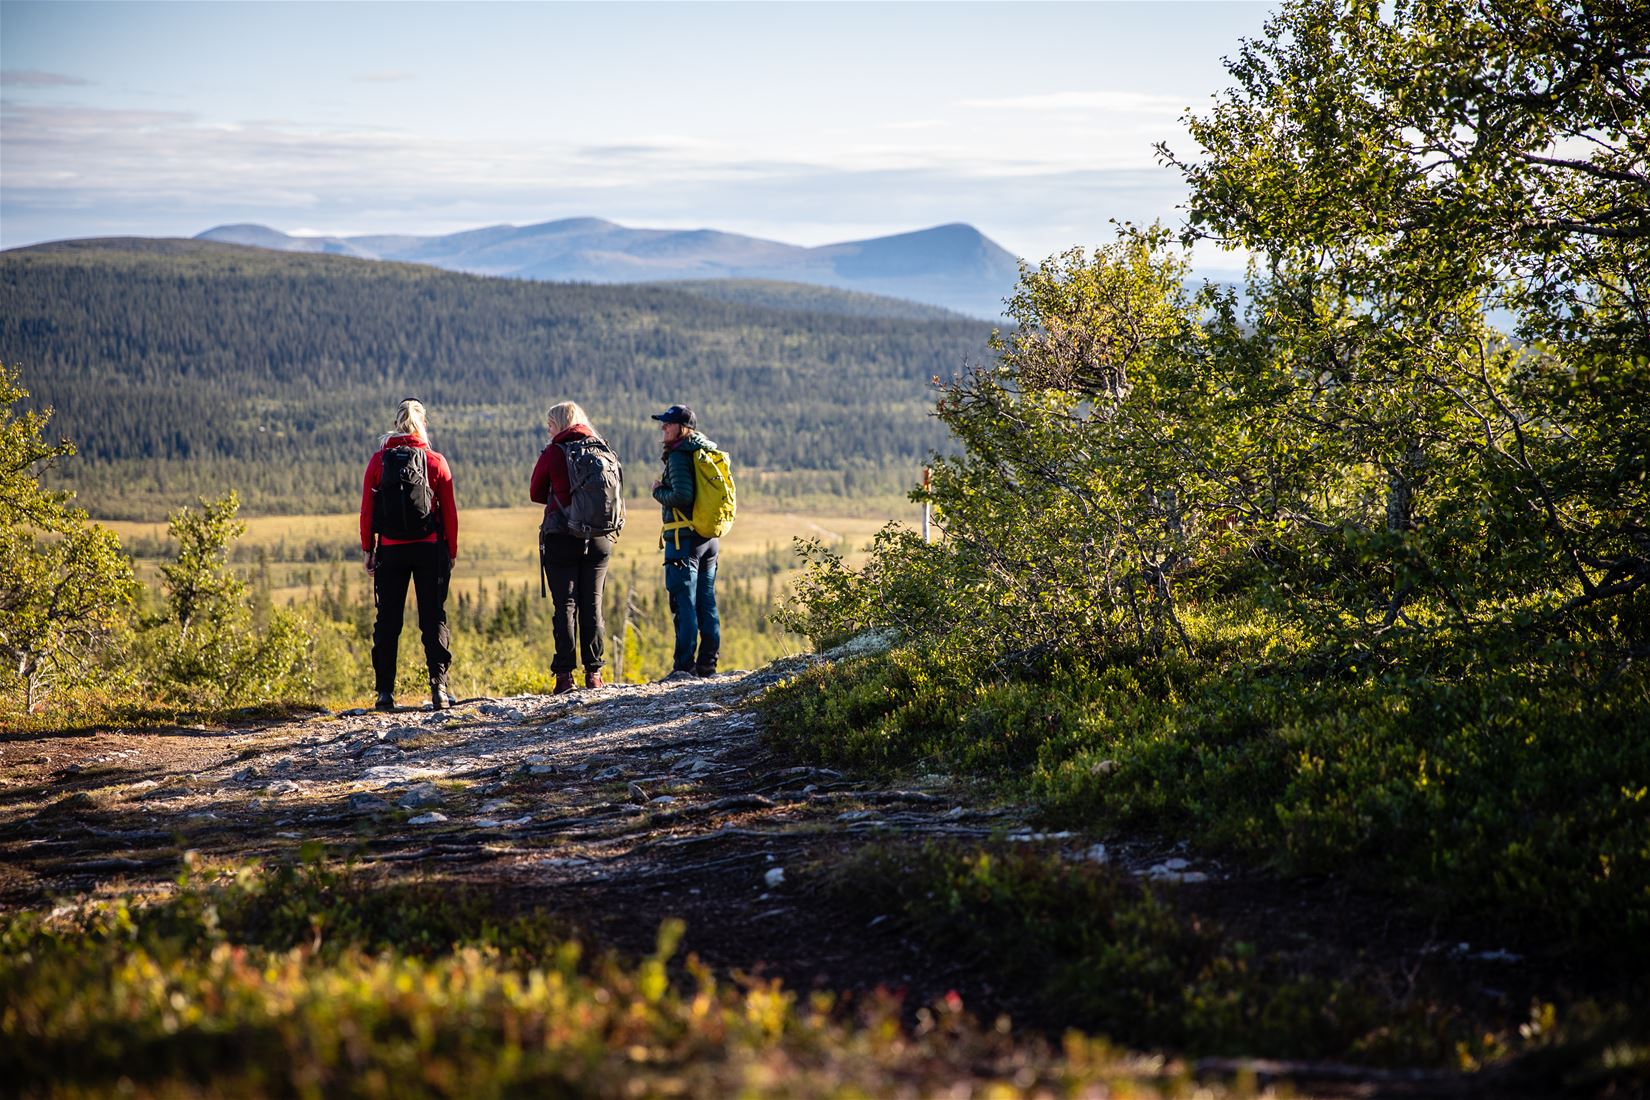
(409, 532)
(574, 564)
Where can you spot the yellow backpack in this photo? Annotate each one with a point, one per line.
(714, 498)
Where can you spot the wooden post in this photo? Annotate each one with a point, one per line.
(927, 505)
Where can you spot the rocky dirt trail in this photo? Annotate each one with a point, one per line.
(615, 808)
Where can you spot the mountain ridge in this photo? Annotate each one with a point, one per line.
(184, 367)
(953, 266)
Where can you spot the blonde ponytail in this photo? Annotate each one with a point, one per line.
(409, 419)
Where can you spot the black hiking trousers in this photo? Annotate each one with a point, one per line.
(576, 571)
(429, 569)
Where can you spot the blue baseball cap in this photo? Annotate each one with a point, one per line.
(678, 414)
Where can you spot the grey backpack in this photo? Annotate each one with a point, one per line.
(596, 483)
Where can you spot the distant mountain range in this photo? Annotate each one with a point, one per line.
(954, 266)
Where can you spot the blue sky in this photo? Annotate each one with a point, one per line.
(804, 122)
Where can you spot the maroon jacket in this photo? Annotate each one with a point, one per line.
(549, 484)
(441, 483)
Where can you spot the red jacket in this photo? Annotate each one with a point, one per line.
(549, 484)
(441, 483)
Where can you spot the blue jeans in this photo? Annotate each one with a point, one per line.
(691, 582)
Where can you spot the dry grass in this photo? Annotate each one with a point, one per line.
(499, 544)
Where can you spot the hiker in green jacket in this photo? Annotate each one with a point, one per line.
(690, 559)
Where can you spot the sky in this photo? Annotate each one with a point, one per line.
(802, 122)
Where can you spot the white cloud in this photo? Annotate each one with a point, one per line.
(169, 173)
(1118, 102)
(35, 78)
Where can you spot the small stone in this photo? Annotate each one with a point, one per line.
(284, 786)
(662, 800)
(1097, 854)
(364, 803)
(245, 775)
(419, 796)
(1174, 870)
(78, 801)
(774, 877)
(493, 806)
(431, 818)
(865, 643)
(637, 794)
(353, 712)
(606, 774)
(1104, 767)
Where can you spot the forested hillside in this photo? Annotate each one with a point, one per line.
(190, 367)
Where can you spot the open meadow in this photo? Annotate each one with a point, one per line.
(499, 545)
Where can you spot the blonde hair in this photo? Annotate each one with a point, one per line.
(565, 415)
(409, 419)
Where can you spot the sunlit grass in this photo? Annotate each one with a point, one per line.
(500, 544)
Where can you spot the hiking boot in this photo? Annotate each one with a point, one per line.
(385, 701)
(705, 671)
(441, 698)
(564, 683)
(593, 678)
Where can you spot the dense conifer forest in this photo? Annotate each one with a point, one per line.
(185, 368)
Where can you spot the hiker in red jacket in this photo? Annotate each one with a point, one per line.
(576, 537)
(409, 531)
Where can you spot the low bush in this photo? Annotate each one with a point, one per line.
(1089, 947)
(1514, 798)
(1099, 952)
(310, 981)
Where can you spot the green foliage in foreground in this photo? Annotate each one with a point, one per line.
(1095, 950)
(1514, 798)
(309, 982)
(64, 586)
(1340, 575)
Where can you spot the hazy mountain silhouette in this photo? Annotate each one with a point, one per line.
(953, 266)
